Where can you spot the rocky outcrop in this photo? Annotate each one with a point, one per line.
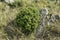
(46, 20)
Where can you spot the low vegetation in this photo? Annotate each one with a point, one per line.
(21, 19)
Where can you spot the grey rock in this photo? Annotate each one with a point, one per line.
(44, 11)
(46, 20)
(9, 1)
(42, 23)
(57, 17)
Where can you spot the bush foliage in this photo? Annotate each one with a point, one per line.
(27, 19)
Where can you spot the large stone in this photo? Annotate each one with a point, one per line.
(42, 23)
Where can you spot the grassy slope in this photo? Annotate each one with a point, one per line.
(7, 14)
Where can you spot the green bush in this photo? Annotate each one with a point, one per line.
(27, 19)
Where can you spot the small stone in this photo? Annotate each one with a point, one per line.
(57, 17)
(44, 11)
(9, 1)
